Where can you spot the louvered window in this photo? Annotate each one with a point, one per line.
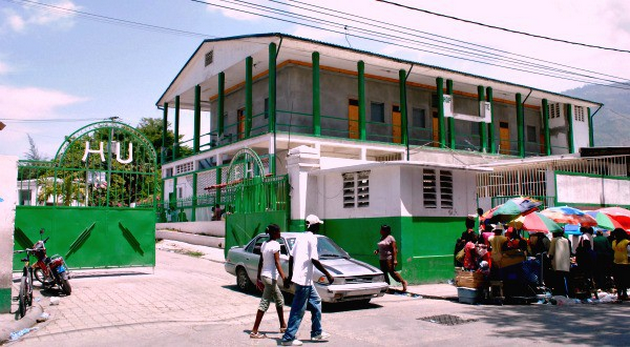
(429, 189)
(446, 189)
(356, 189)
(209, 58)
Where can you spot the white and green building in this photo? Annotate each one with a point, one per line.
(299, 126)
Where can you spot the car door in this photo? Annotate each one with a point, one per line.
(252, 256)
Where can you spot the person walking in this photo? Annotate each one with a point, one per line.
(560, 254)
(303, 258)
(388, 256)
(267, 280)
(620, 263)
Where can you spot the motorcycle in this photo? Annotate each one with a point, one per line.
(50, 270)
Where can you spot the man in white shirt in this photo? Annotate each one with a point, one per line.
(303, 257)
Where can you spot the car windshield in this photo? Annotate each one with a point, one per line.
(326, 248)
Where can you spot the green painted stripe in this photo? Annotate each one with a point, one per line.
(5, 300)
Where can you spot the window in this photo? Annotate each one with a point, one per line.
(209, 58)
(429, 189)
(186, 167)
(434, 183)
(531, 134)
(446, 189)
(554, 110)
(356, 189)
(418, 117)
(377, 111)
(579, 113)
(168, 172)
(180, 192)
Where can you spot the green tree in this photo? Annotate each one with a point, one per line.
(152, 129)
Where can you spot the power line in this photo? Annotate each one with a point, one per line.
(51, 120)
(464, 44)
(504, 29)
(385, 26)
(342, 31)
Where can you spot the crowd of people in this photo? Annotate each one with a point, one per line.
(598, 262)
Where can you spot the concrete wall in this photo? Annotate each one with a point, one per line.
(574, 189)
(8, 200)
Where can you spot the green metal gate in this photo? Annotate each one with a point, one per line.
(95, 199)
(255, 199)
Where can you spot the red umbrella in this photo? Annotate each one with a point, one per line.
(618, 214)
(535, 222)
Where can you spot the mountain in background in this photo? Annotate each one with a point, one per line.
(612, 123)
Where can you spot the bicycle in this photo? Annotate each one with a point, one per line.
(25, 296)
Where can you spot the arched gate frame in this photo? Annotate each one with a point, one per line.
(95, 199)
(256, 198)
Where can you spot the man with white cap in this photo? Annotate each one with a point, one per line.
(303, 257)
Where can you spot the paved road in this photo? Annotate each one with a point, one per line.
(192, 301)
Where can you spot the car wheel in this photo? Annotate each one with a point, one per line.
(242, 280)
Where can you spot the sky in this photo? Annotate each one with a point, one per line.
(75, 62)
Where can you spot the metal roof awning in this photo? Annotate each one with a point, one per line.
(374, 165)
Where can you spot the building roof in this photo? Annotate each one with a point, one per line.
(293, 48)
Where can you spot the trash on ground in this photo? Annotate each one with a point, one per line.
(43, 317)
(54, 301)
(17, 334)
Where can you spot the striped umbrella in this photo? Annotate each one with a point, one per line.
(535, 222)
(511, 209)
(569, 215)
(604, 221)
(618, 214)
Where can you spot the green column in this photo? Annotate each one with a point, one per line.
(451, 120)
(164, 131)
(404, 130)
(520, 125)
(249, 68)
(193, 214)
(317, 111)
(197, 124)
(570, 130)
(440, 106)
(173, 204)
(272, 89)
(493, 144)
(176, 130)
(591, 138)
(483, 127)
(221, 105)
(361, 70)
(545, 112)
(217, 197)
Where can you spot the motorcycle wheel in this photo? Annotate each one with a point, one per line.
(65, 286)
(29, 288)
(40, 276)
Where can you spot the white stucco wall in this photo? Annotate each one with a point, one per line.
(592, 190)
(8, 201)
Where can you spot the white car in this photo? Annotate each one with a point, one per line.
(353, 279)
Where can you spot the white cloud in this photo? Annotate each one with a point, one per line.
(239, 12)
(4, 68)
(31, 102)
(32, 15)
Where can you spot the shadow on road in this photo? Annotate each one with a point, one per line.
(583, 324)
(326, 307)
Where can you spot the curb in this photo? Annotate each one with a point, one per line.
(29, 320)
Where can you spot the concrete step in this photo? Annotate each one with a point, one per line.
(194, 239)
